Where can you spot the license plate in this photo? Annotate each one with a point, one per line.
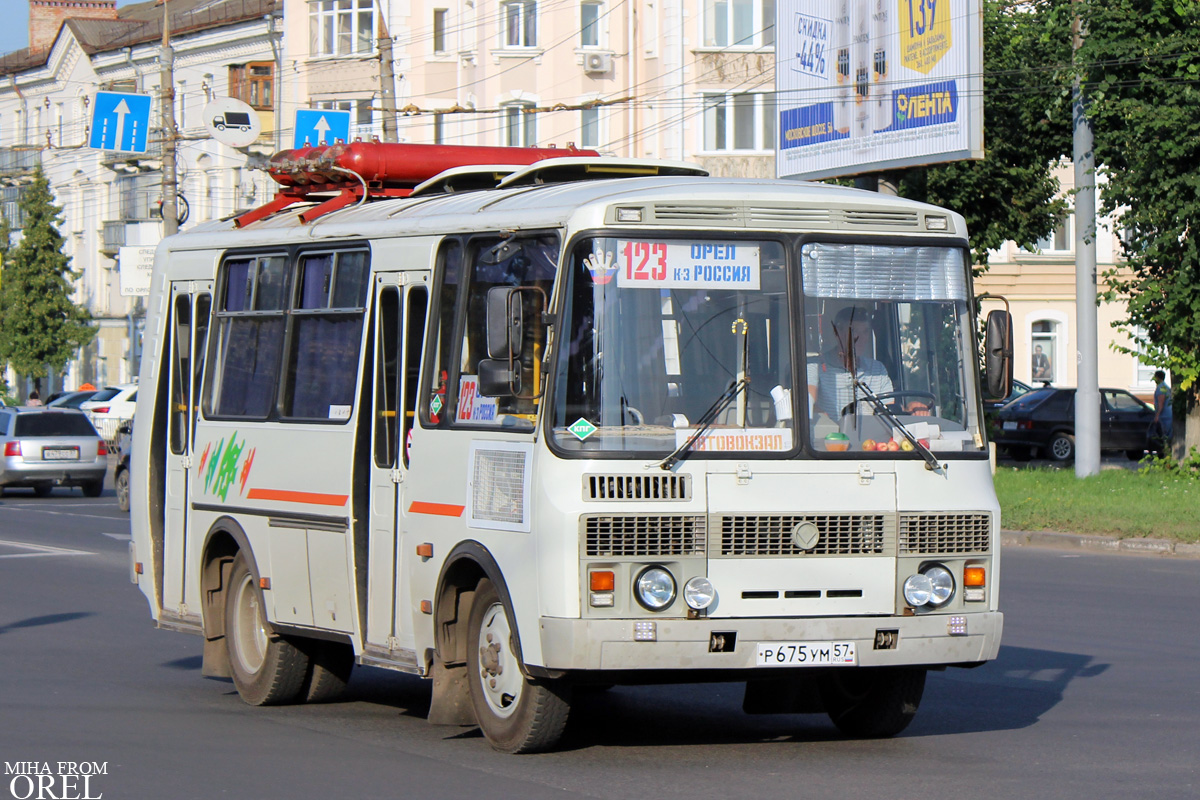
(1010, 426)
(60, 454)
(805, 654)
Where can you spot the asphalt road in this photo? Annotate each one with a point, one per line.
(1096, 694)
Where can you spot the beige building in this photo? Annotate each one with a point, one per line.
(673, 79)
(1040, 286)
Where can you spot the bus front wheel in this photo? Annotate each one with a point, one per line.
(872, 702)
(266, 668)
(515, 713)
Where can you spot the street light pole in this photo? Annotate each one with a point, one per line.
(166, 97)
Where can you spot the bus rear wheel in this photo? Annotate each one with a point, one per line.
(872, 702)
(266, 668)
(515, 713)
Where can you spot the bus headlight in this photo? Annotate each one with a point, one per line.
(654, 589)
(699, 593)
(942, 583)
(932, 586)
(918, 589)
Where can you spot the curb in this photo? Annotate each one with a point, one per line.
(1099, 544)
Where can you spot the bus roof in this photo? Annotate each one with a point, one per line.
(678, 202)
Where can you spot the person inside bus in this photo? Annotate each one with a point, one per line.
(846, 360)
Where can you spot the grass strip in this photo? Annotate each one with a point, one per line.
(1116, 502)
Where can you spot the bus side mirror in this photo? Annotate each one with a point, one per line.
(505, 322)
(498, 379)
(998, 354)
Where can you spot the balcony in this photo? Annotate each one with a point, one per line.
(135, 162)
(18, 162)
(112, 237)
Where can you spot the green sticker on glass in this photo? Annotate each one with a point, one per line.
(435, 405)
(581, 429)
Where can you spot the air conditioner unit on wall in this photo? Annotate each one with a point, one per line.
(597, 62)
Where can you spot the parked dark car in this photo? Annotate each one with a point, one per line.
(1043, 422)
(1018, 388)
(70, 399)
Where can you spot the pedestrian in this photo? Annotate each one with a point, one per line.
(35, 399)
(1162, 409)
(1041, 364)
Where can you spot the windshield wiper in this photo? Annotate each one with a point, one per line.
(931, 461)
(705, 422)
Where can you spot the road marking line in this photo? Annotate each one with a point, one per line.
(121, 537)
(40, 550)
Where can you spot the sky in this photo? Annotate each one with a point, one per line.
(14, 35)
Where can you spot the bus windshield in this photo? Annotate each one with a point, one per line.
(655, 331)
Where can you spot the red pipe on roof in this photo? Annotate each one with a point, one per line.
(396, 165)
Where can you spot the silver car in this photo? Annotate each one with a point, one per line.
(48, 447)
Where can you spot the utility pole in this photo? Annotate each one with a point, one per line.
(166, 97)
(387, 81)
(1087, 392)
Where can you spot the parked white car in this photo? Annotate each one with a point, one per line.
(111, 406)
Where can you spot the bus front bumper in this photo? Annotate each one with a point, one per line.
(625, 644)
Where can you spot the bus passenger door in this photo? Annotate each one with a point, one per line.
(400, 306)
(191, 303)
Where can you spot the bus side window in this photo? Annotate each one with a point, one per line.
(414, 341)
(181, 372)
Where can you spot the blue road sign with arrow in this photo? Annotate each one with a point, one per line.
(120, 121)
(316, 126)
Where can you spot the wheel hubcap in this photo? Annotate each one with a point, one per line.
(498, 672)
(1062, 448)
(249, 634)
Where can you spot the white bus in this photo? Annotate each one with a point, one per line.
(589, 422)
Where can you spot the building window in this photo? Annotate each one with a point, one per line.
(1059, 240)
(520, 126)
(739, 122)
(739, 23)
(1044, 364)
(254, 84)
(520, 23)
(1143, 376)
(440, 15)
(589, 24)
(589, 127)
(341, 27)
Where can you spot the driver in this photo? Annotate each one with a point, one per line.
(846, 360)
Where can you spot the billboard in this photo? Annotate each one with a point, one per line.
(867, 85)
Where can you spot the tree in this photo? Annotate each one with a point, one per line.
(5, 242)
(1012, 194)
(40, 328)
(1140, 61)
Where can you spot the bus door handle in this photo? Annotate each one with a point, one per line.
(397, 476)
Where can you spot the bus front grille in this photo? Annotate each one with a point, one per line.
(637, 487)
(615, 536)
(771, 535)
(928, 534)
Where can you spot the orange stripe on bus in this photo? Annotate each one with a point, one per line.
(440, 509)
(308, 498)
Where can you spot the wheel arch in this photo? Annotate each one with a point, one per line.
(224, 540)
(468, 563)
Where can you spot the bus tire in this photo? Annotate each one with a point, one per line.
(515, 713)
(872, 702)
(330, 665)
(266, 668)
(121, 484)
